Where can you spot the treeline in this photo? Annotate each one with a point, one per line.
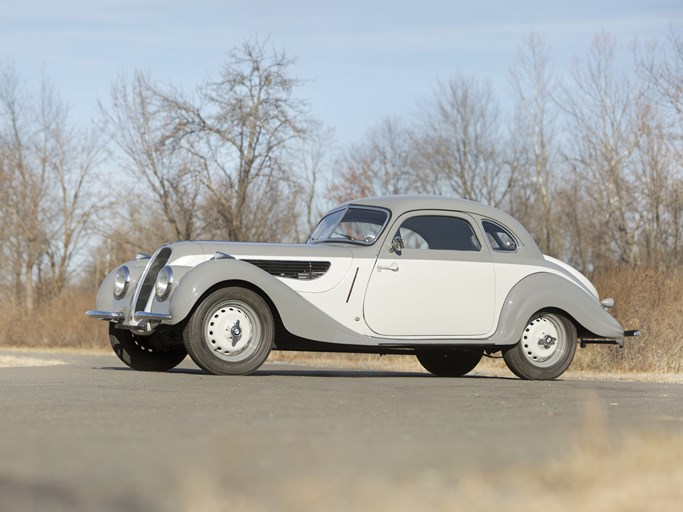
(589, 159)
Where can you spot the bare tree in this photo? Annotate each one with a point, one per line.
(603, 138)
(312, 155)
(534, 152)
(664, 67)
(164, 176)
(46, 167)
(25, 179)
(72, 157)
(656, 186)
(660, 149)
(379, 165)
(237, 130)
(459, 140)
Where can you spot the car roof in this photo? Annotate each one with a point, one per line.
(399, 204)
(404, 203)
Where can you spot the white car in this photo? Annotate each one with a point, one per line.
(443, 279)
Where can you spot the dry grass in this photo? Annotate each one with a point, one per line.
(58, 323)
(646, 299)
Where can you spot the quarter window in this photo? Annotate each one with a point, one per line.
(499, 238)
(438, 232)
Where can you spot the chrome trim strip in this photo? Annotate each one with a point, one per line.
(221, 256)
(104, 315)
(140, 283)
(146, 315)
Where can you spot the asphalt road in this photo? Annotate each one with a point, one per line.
(92, 434)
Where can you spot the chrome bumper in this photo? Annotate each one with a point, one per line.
(145, 315)
(105, 315)
(118, 317)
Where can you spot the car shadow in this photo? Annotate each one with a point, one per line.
(319, 372)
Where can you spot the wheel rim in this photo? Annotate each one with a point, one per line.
(544, 341)
(232, 330)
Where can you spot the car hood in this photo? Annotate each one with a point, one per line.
(194, 252)
(321, 266)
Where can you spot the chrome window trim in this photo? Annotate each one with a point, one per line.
(507, 230)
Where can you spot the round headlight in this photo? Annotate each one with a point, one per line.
(121, 281)
(164, 283)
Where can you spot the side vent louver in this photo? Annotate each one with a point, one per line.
(292, 269)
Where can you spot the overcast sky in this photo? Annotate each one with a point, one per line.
(364, 59)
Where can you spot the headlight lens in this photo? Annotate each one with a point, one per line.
(121, 282)
(164, 283)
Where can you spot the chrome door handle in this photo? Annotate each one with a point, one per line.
(393, 267)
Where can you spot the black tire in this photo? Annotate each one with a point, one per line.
(546, 349)
(231, 332)
(452, 362)
(144, 353)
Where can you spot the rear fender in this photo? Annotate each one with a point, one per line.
(543, 291)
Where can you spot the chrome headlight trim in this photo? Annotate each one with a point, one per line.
(164, 283)
(121, 282)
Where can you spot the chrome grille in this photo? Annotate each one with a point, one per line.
(150, 276)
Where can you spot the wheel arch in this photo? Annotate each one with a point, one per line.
(546, 292)
(205, 279)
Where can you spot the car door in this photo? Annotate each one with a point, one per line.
(433, 277)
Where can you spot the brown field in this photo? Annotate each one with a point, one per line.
(646, 299)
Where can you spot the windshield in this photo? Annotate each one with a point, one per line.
(353, 224)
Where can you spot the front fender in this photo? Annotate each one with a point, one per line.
(299, 316)
(105, 297)
(542, 291)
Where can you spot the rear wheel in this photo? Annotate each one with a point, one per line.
(231, 332)
(145, 353)
(452, 362)
(546, 349)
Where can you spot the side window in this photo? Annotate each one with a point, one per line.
(438, 232)
(499, 238)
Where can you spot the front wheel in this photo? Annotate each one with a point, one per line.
(145, 353)
(452, 362)
(231, 332)
(546, 349)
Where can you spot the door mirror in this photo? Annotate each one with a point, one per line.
(397, 245)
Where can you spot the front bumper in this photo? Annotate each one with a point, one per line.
(118, 317)
(105, 315)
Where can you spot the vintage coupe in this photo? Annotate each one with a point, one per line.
(446, 280)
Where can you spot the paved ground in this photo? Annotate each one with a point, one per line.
(92, 434)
